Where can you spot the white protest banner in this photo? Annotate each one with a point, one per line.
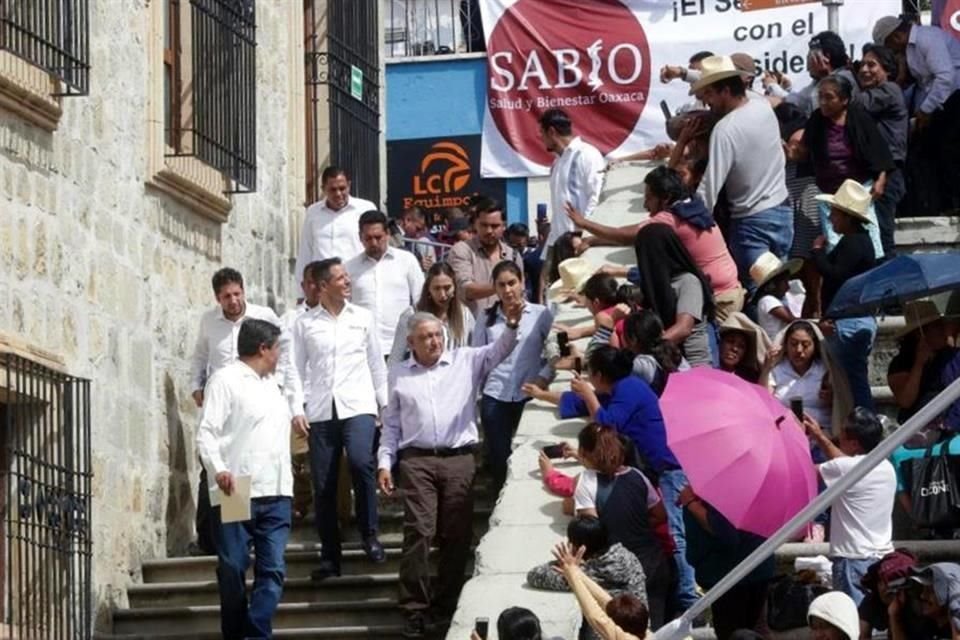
(600, 61)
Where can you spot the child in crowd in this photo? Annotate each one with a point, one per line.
(772, 278)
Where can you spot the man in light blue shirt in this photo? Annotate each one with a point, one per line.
(933, 59)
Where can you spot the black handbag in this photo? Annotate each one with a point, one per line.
(934, 494)
(788, 602)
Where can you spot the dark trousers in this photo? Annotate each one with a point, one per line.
(437, 506)
(742, 607)
(267, 532)
(205, 521)
(500, 421)
(302, 491)
(886, 208)
(327, 440)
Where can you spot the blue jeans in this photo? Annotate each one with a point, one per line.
(267, 530)
(750, 237)
(671, 482)
(500, 421)
(886, 207)
(851, 346)
(327, 440)
(847, 573)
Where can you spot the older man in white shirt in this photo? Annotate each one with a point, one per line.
(216, 347)
(245, 431)
(330, 225)
(340, 386)
(385, 281)
(430, 427)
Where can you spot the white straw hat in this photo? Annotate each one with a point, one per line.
(716, 68)
(768, 266)
(574, 273)
(852, 197)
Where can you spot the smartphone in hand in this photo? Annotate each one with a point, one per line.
(482, 627)
(553, 451)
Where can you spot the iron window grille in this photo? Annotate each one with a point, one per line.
(224, 120)
(53, 35)
(352, 46)
(45, 501)
(433, 27)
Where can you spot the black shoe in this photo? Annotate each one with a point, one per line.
(415, 626)
(374, 550)
(326, 570)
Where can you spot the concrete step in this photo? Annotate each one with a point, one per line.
(347, 588)
(180, 621)
(301, 560)
(387, 632)
(927, 551)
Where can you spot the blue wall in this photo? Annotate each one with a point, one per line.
(444, 97)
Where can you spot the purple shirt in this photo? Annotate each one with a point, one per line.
(436, 407)
(841, 161)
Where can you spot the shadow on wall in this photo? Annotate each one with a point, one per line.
(180, 503)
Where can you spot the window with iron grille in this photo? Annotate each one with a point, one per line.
(432, 27)
(45, 502)
(51, 34)
(210, 99)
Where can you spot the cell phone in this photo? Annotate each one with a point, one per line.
(482, 627)
(563, 343)
(665, 109)
(796, 406)
(553, 451)
(578, 364)
(541, 211)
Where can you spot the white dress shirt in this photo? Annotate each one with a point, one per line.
(436, 407)
(386, 288)
(330, 234)
(217, 342)
(337, 359)
(245, 429)
(575, 177)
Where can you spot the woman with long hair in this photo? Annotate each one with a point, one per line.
(502, 402)
(439, 297)
(654, 358)
(675, 288)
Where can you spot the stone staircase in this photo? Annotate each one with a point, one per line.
(178, 598)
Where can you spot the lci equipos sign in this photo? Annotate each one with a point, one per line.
(436, 174)
(599, 60)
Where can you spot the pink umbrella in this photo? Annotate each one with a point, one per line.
(742, 451)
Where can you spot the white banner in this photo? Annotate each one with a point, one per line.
(599, 60)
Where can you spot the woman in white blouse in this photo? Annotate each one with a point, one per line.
(439, 297)
(800, 366)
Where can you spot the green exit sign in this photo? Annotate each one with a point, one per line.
(356, 82)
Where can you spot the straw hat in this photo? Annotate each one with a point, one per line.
(768, 266)
(758, 342)
(852, 198)
(716, 68)
(919, 313)
(574, 273)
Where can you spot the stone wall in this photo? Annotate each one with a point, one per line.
(113, 275)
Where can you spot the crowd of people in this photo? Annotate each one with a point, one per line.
(411, 341)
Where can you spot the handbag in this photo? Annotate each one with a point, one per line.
(934, 493)
(788, 602)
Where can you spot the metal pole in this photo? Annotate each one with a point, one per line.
(833, 14)
(680, 628)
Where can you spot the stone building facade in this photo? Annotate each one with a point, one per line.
(107, 245)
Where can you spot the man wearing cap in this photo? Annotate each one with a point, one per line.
(933, 59)
(884, 585)
(827, 56)
(746, 160)
(939, 600)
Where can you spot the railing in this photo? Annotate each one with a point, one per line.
(45, 493)
(440, 249)
(680, 628)
(224, 123)
(52, 34)
(432, 27)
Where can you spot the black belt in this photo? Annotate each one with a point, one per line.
(439, 452)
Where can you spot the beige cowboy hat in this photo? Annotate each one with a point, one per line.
(758, 342)
(920, 313)
(574, 273)
(852, 198)
(716, 68)
(768, 266)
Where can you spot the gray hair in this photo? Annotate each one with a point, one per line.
(419, 318)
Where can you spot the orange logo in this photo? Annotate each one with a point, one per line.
(445, 169)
